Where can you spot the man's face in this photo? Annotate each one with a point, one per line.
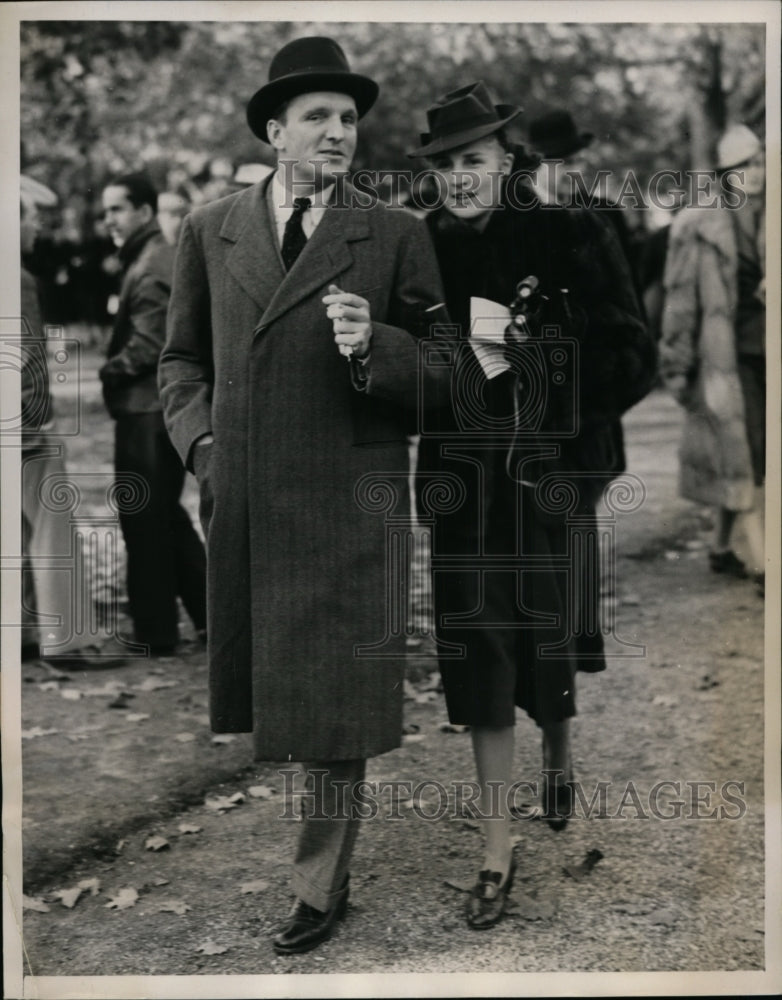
(171, 210)
(121, 215)
(318, 135)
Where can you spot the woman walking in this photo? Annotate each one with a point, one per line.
(516, 580)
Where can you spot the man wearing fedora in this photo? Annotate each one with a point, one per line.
(288, 380)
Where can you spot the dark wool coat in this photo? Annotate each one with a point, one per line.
(699, 342)
(298, 561)
(524, 624)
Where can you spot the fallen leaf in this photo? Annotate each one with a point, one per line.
(93, 884)
(31, 903)
(184, 737)
(121, 701)
(156, 843)
(70, 694)
(257, 886)
(410, 727)
(449, 727)
(665, 916)
(434, 682)
(260, 792)
(462, 884)
(414, 738)
(49, 686)
(529, 907)
(189, 828)
(210, 948)
(67, 897)
(109, 688)
(124, 899)
(31, 734)
(223, 738)
(408, 690)
(425, 697)
(221, 803)
(161, 881)
(153, 684)
(120, 845)
(136, 717)
(177, 906)
(672, 555)
(590, 860)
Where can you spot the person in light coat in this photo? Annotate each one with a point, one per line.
(712, 350)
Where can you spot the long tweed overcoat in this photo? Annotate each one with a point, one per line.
(292, 498)
(699, 342)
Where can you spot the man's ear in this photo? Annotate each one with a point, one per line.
(149, 214)
(274, 132)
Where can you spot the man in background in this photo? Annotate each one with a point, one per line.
(165, 556)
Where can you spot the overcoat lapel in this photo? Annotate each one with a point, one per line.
(326, 255)
(253, 260)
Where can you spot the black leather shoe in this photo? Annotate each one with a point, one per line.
(728, 562)
(486, 904)
(558, 802)
(307, 927)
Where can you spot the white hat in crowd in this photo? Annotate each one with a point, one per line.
(32, 192)
(737, 145)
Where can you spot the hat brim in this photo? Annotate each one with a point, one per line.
(265, 101)
(566, 147)
(431, 147)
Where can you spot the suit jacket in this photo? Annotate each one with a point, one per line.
(130, 375)
(305, 471)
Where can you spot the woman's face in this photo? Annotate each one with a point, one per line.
(470, 177)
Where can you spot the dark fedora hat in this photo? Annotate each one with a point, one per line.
(554, 135)
(301, 67)
(463, 116)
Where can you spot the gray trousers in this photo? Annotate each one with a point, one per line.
(328, 832)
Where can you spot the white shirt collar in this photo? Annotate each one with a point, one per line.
(282, 206)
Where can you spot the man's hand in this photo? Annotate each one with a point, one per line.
(114, 372)
(352, 323)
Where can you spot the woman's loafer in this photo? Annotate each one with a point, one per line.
(486, 904)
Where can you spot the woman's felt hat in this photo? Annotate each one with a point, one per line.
(462, 116)
(301, 67)
(554, 135)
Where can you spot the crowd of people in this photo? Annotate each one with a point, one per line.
(295, 340)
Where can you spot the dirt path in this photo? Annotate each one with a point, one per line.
(674, 889)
